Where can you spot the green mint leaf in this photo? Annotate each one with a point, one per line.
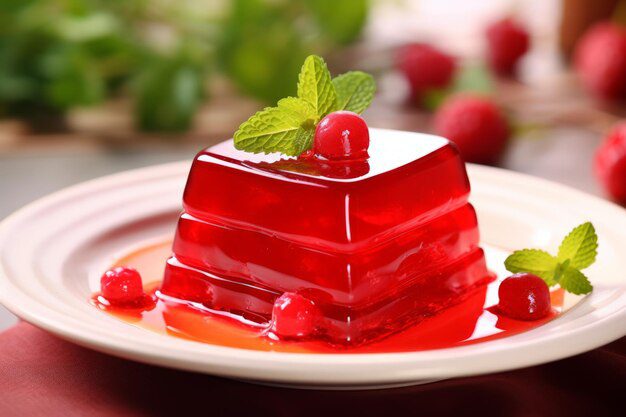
(289, 128)
(575, 282)
(275, 129)
(298, 106)
(303, 140)
(315, 86)
(304, 137)
(577, 251)
(560, 270)
(355, 91)
(580, 246)
(533, 261)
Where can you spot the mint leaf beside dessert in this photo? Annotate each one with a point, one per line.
(289, 128)
(577, 251)
(579, 247)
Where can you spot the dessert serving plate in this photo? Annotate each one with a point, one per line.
(53, 252)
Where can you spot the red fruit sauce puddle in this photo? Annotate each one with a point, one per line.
(466, 323)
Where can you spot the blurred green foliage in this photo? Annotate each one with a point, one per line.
(60, 54)
(168, 92)
(470, 79)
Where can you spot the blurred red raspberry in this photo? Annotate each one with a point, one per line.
(476, 125)
(610, 163)
(600, 60)
(507, 42)
(426, 68)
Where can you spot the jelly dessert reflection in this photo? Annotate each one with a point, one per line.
(464, 323)
(375, 245)
(317, 167)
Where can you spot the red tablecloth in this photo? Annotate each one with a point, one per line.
(41, 375)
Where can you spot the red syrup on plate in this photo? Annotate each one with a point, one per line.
(468, 322)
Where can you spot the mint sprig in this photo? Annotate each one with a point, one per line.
(580, 246)
(274, 129)
(577, 251)
(534, 261)
(315, 86)
(355, 90)
(289, 127)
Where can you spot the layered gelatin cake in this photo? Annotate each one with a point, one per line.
(372, 244)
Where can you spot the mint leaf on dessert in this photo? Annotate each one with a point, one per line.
(534, 261)
(298, 106)
(575, 282)
(275, 129)
(355, 91)
(577, 251)
(289, 128)
(303, 140)
(580, 246)
(315, 86)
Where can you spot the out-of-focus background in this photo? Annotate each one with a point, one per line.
(92, 87)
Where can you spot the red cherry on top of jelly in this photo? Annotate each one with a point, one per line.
(294, 316)
(524, 297)
(122, 286)
(342, 135)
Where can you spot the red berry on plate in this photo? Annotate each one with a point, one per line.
(507, 42)
(121, 285)
(294, 316)
(342, 135)
(600, 60)
(426, 68)
(610, 163)
(476, 125)
(524, 297)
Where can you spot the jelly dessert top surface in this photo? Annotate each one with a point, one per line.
(408, 179)
(386, 153)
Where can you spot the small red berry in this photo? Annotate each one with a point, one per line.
(294, 316)
(426, 68)
(524, 297)
(600, 60)
(121, 285)
(610, 163)
(342, 135)
(476, 125)
(507, 42)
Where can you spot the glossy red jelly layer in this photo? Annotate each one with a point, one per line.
(376, 244)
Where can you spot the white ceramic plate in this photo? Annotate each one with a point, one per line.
(53, 251)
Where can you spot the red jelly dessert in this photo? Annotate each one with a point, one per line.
(375, 248)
